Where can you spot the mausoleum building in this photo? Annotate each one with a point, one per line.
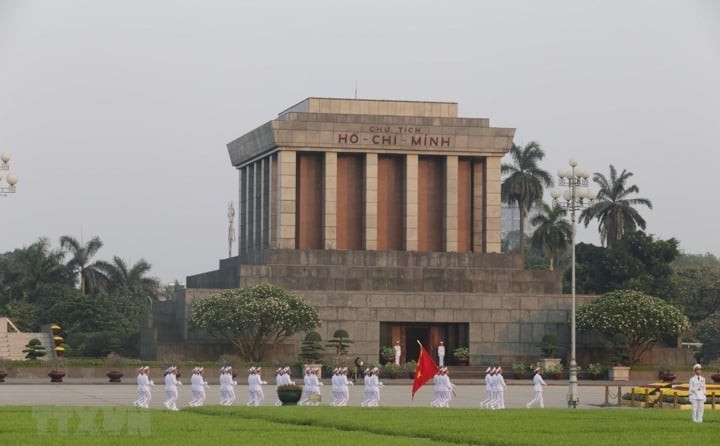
(386, 216)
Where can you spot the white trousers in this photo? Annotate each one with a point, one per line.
(698, 409)
(538, 399)
(171, 397)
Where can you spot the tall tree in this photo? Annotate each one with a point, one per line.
(614, 208)
(118, 277)
(638, 261)
(697, 290)
(25, 271)
(553, 232)
(90, 275)
(524, 182)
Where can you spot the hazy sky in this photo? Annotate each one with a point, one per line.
(117, 112)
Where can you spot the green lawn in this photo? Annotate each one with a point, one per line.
(215, 425)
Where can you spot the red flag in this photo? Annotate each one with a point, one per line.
(425, 370)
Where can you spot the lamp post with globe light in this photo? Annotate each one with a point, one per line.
(576, 196)
(11, 179)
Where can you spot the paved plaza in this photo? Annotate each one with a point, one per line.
(395, 393)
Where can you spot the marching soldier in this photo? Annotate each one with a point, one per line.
(538, 383)
(488, 388)
(171, 388)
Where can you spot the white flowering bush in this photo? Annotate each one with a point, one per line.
(632, 317)
(255, 318)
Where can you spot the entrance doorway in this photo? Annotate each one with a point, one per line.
(453, 335)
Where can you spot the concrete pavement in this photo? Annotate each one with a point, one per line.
(395, 393)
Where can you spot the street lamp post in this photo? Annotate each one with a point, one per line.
(575, 196)
(11, 179)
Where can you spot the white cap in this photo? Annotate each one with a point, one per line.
(697, 366)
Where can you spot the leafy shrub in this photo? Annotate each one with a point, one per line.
(34, 349)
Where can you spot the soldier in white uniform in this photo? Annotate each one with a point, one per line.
(345, 384)
(224, 396)
(171, 389)
(198, 386)
(492, 404)
(375, 386)
(279, 381)
(335, 389)
(500, 389)
(193, 387)
(227, 386)
(315, 384)
(494, 389)
(147, 384)
(441, 354)
(436, 389)
(488, 391)
(255, 382)
(259, 393)
(140, 388)
(538, 383)
(398, 352)
(305, 396)
(367, 388)
(697, 394)
(448, 388)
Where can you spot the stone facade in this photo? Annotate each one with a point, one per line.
(507, 309)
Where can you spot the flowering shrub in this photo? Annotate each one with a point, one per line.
(253, 318)
(632, 318)
(595, 368)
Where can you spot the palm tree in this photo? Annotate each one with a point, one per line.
(525, 181)
(552, 231)
(42, 265)
(24, 271)
(119, 277)
(80, 261)
(613, 209)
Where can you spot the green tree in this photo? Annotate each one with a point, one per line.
(90, 275)
(706, 259)
(524, 181)
(34, 349)
(553, 233)
(697, 290)
(633, 318)
(255, 318)
(708, 332)
(340, 342)
(25, 271)
(311, 348)
(637, 261)
(134, 280)
(613, 208)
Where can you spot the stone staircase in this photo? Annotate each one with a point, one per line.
(5, 352)
(13, 341)
(12, 345)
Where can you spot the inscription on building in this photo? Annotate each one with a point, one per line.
(394, 136)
